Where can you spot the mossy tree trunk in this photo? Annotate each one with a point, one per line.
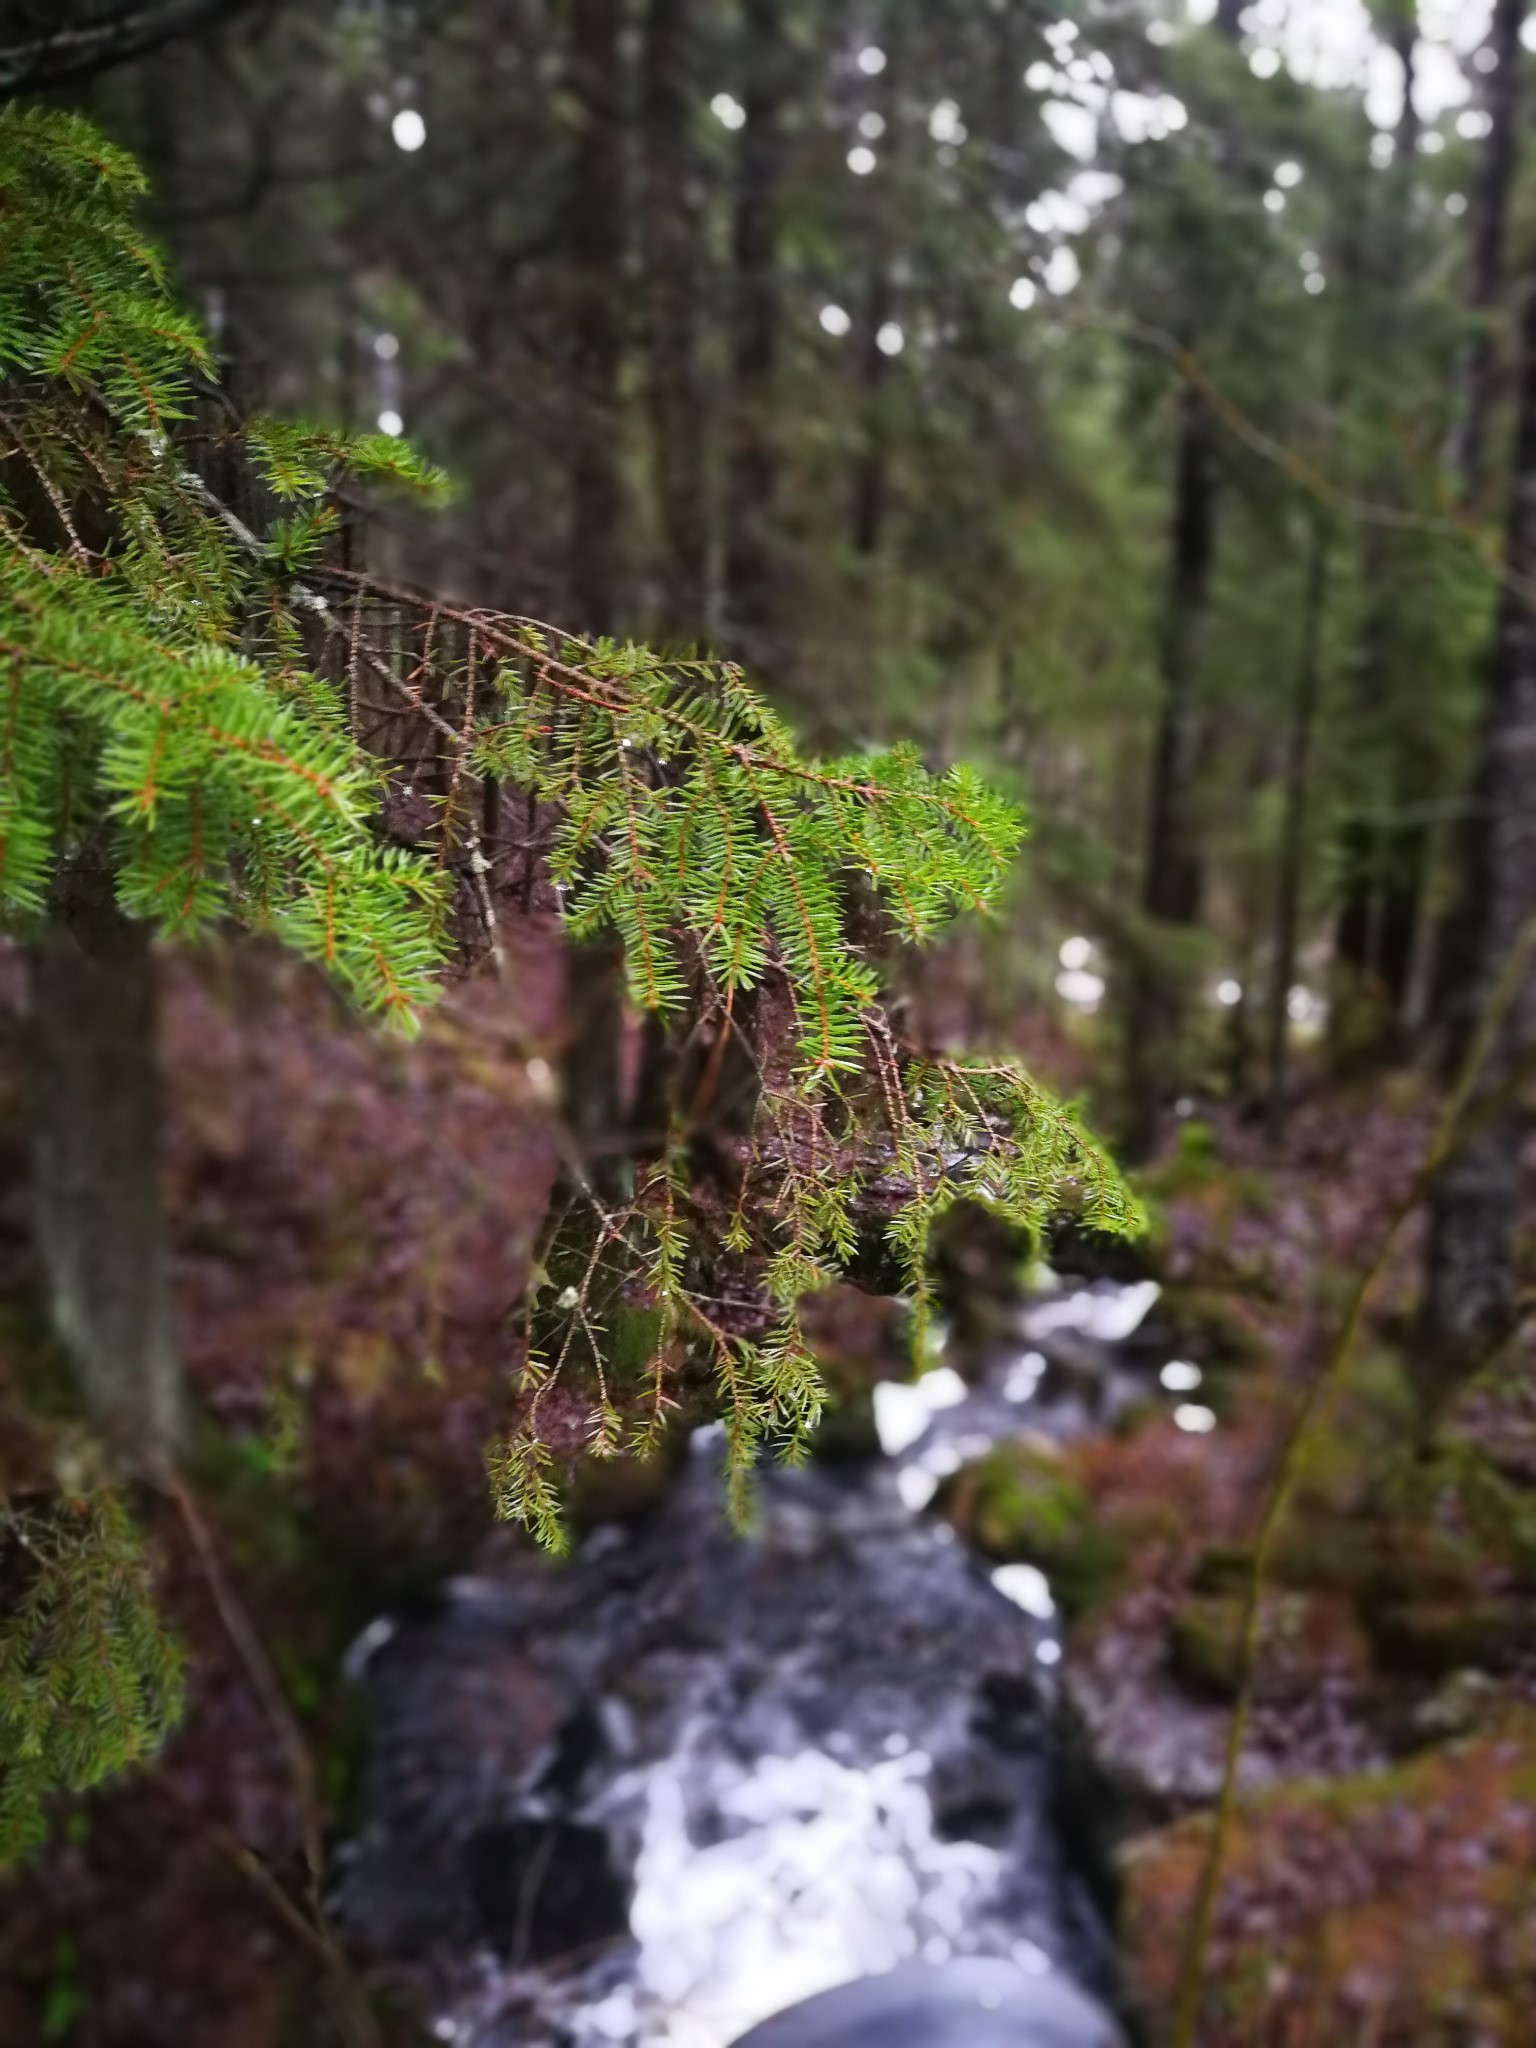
(750, 583)
(96, 1165)
(1469, 1293)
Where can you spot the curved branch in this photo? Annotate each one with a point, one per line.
(66, 53)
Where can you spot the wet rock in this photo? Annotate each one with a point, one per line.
(797, 1760)
(1304, 1639)
(1431, 1638)
(1019, 1504)
(966, 2005)
(1467, 1701)
(1356, 1910)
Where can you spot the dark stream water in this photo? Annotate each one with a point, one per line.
(661, 1794)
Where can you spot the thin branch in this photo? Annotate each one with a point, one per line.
(1458, 1120)
(65, 54)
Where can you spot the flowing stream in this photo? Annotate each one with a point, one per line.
(653, 1797)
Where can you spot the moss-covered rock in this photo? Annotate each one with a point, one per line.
(1433, 1637)
(1303, 1638)
(1019, 1504)
(1340, 1916)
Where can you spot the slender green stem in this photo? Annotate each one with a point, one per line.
(1453, 1126)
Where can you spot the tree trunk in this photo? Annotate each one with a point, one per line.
(1485, 266)
(597, 312)
(95, 1163)
(749, 568)
(1469, 1271)
(672, 235)
(1383, 861)
(871, 473)
(1171, 880)
(1298, 762)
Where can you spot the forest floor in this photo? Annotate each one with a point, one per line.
(1380, 1884)
(353, 1221)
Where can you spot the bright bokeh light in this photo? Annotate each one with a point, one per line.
(1180, 1377)
(890, 340)
(729, 112)
(1082, 990)
(835, 320)
(1075, 952)
(391, 423)
(1265, 62)
(1194, 1418)
(1042, 77)
(871, 125)
(409, 130)
(1456, 205)
(1288, 175)
(861, 161)
(1229, 993)
(1062, 273)
(871, 60)
(1274, 202)
(385, 347)
(1022, 294)
(1316, 282)
(944, 123)
(1048, 1652)
(1073, 128)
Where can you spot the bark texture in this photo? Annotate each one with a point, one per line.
(1485, 255)
(756, 317)
(1298, 767)
(597, 312)
(1384, 849)
(1171, 877)
(1469, 1291)
(672, 250)
(96, 1170)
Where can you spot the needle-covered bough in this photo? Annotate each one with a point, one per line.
(203, 707)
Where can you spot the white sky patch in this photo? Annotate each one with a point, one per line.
(1063, 272)
(1073, 128)
(1078, 986)
(1331, 44)
(1057, 213)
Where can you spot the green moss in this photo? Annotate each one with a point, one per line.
(1018, 1505)
(1205, 1645)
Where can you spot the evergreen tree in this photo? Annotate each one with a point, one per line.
(187, 742)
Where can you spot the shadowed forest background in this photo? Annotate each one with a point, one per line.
(1134, 400)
